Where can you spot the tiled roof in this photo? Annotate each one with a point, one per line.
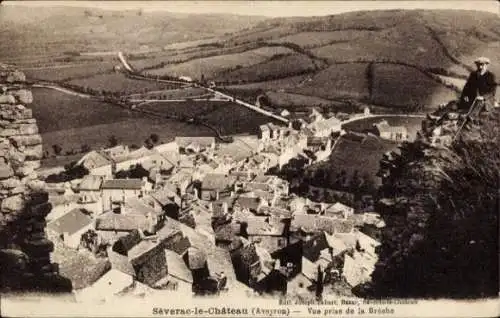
(227, 231)
(110, 221)
(214, 181)
(129, 184)
(93, 160)
(315, 223)
(164, 196)
(91, 183)
(177, 267)
(248, 203)
(195, 258)
(70, 222)
(263, 225)
(138, 206)
(143, 250)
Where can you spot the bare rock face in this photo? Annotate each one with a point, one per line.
(24, 248)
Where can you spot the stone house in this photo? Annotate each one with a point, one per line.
(70, 227)
(97, 163)
(118, 191)
(215, 186)
(195, 144)
(144, 259)
(395, 133)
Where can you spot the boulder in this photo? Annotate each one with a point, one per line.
(7, 99)
(13, 204)
(23, 96)
(10, 183)
(16, 76)
(33, 152)
(6, 171)
(30, 140)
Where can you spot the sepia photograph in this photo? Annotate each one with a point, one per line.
(249, 158)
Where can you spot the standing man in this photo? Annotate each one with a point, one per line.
(481, 85)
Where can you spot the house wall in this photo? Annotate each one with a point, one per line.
(61, 209)
(73, 240)
(102, 171)
(121, 195)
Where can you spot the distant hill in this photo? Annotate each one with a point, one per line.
(418, 47)
(50, 30)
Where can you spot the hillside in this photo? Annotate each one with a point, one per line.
(54, 30)
(440, 204)
(409, 51)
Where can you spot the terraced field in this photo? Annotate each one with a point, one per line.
(211, 67)
(337, 81)
(316, 39)
(66, 72)
(401, 86)
(119, 83)
(277, 67)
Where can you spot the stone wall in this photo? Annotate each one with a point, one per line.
(24, 249)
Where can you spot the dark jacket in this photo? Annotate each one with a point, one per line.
(479, 85)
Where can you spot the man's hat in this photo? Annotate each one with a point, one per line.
(482, 60)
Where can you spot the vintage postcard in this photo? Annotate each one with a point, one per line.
(249, 158)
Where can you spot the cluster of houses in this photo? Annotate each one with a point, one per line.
(208, 218)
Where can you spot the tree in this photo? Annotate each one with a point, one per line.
(148, 143)
(154, 138)
(57, 149)
(112, 141)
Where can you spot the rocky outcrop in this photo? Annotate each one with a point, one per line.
(24, 248)
(439, 200)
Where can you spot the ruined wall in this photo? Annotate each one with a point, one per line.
(24, 249)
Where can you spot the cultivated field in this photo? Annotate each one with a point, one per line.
(277, 67)
(291, 101)
(282, 83)
(181, 93)
(364, 157)
(55, 111)
(236, 119)
(338, 81)
(119, 83)
(132, 131)
(413, 46)
(183, 109)
(415, 92)
(315, 39)
(210, 67)
(68, 71)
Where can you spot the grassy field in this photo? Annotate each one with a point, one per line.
(285, 66)
(282, 83)
(236, 119)
(55, 111)
(315, 39)
(181, 93)
(117, 82)
(70, 71)
(413, 124)
(291, 101)
(402, 44)
(183, 109)
(350, 155)
(210, 67)
(401, 86)
(128, 131)
(341, 80)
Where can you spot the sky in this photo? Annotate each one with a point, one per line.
(273, 8)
